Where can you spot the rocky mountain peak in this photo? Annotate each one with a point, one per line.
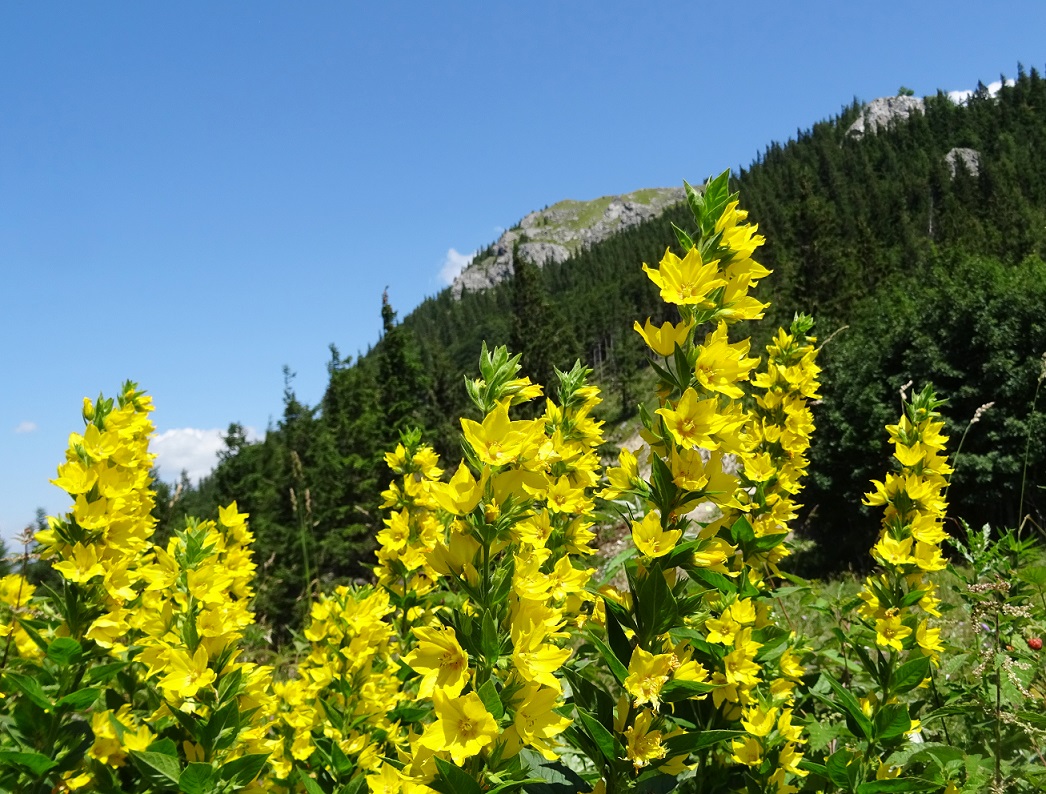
(556, 232)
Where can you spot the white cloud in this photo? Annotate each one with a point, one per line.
(26, 427)
(453, 264)
(191, 450)
(958, 97)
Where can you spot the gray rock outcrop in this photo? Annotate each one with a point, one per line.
(881, 113)
(969, 158)
(555, 233)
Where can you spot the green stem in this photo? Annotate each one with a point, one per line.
(998, 708)
(1027, 448)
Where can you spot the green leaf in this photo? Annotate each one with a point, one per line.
(694, 199)
(859, 724)
(103, 672)
(488, 693)
(159, 766)
(685, 241)
(892, 721)
(31, 688)
(64, 651)
(243, 770)
(196, 779)
(619, 670)
(514, 784)
(909, 675)
(616, 638)
(1034, 575)
(742, 531)
(490, 645)
(692, 741)
(713, 579)
(603, 738)
(842, 769)
(655, 605)
(897, 784)
(311, 786)
(79, 700)
(674, 690)
(456, 779)
(37, 763)
(555, 776)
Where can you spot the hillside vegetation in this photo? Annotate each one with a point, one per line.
(937, 276)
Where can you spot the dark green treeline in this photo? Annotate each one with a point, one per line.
(937, 274)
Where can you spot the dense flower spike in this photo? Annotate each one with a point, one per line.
(700, 607)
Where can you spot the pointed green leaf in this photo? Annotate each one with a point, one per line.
(692, 741)
(64, 651)
(37, 763)
(158, 766)
(910, 674)
(243, 770)
(455, 778)
(603, 738)
(848, 704)
(311, 786)
(197, 778)
(619, 670)
(488, 693)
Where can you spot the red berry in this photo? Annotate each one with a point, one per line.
(1035, 643)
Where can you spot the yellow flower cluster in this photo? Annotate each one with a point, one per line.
(908, 548)
(172, 618)
(501, 539)
(344, 692)
(101, 544)
(706, 448)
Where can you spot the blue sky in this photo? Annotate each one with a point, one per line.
(193, 195)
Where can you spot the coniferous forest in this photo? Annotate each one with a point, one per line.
(917, 270)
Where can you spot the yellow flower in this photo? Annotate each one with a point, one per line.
(441, 661)
(84, 565)
(647, 673)
(686, 281)
(693, 422)
(459, 496)
(759, 721)
(535, 720)
(463, 726)
(499, 441)
(642, 744)
(665, 339)
(889, 631)
(185, 675)
(651, 539)
(747, 750)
